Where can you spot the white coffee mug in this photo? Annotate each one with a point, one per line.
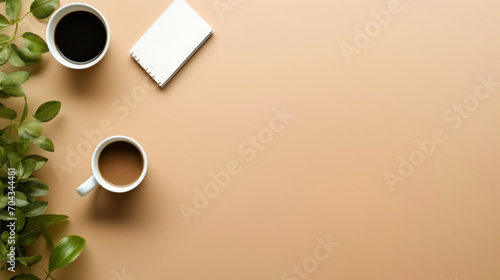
(96, 179)
(51, 27)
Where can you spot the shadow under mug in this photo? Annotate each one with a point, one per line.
(51, 27)
(97, 179)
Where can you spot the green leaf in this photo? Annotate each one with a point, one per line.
(19, 166)
(3, 157)
(37, 225)
(13, 90)
(43, 221)
(20, 200)
(29, 167)
(26, 180)
(33, 128)
(28, 237)
(44, 143)
(26, 276)
(3, 252)
(14, 58)
(6, 139)
(7, 113)
(65, 252)
(3, 37)
(4, 23)
(50, 243)
(4, 216)
(23, 147)
(35, 208)
(3, 174)
(4, 54)
(14, 158)
(2, 75)
(35, 188)
(39, 160)
(47, 111)
(18, 78)
(28, 57)
(29, 261)
(43, 8)
(4, 236)
(20, 195)
(20, 219)
(13, 8)
(3, 202)
(33, 259)
(26, 137)
(11, 84)
(35, 43)
(25, 111)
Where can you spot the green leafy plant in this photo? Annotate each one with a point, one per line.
(34, 45)
(20, 190)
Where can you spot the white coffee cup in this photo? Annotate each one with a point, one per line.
(51, 27)
(97, 179)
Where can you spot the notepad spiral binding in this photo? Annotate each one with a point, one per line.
(138, 60)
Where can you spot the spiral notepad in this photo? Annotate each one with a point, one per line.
(170, 42)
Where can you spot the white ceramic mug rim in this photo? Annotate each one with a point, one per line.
(95, 167)
(60, 13)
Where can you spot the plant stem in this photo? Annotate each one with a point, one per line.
(25, 15)
(15, 30)
(49, 240)
(10, 125)
(48, 274)
(12, 39)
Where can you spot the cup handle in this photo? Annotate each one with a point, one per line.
(87, 186)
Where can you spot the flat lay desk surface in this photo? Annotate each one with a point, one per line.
(380, 138)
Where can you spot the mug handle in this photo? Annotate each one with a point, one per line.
(87, 186)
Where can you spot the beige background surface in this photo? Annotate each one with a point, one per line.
(321, 176)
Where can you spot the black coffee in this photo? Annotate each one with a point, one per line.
(80, 36)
